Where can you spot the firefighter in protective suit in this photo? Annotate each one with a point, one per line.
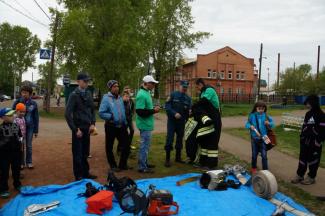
(177, 107)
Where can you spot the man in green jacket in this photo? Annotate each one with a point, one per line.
(145, 121)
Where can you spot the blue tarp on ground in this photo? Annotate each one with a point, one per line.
(191, 198)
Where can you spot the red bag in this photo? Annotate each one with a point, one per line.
(101, 200)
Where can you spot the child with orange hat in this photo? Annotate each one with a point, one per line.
(20, 121)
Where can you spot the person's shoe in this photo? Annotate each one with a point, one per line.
(115, 169)
(151, 166)
(126, 168)
(5, 194)
(147, 170)
(30, 166)
(133, 147)
(90, 176)
(22, 167)
(179, 160)
(308, 181)
(90, 156)
(297, 179)
(167, 163)
(253, 171)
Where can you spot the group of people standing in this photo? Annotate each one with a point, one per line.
(117, 111)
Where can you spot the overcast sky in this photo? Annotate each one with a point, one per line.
(292, 28)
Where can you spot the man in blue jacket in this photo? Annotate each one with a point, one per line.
(113, 112)
(177, 107)
(31, 119)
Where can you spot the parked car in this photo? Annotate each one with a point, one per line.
(4, 98)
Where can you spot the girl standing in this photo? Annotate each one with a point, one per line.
(257, 123)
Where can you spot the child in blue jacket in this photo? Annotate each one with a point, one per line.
(257, 123)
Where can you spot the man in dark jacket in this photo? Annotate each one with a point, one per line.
(80, 116)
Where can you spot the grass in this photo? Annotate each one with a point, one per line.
(287, 141)
(245, 109)
(157, 154)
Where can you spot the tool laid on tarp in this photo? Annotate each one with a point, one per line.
(216, 180)
(130, 198)
(161, 202)
(265, 186)
(239, 172)
(36, 209)
(102, 200)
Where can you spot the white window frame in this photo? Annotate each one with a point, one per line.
(242, 75)
(222, 75)
(229, 75)
(238, 75)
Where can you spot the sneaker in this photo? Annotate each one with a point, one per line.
(297, 179)
(308, 181)
(30, 166)
(145, 170)
(253, 171)
(5, 194)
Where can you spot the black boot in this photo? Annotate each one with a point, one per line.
(167, 162)
(178, 158)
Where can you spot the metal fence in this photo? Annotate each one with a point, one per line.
(251, 98)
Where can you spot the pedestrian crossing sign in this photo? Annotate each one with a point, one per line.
(45, 54)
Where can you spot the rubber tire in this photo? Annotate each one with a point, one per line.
(264, 184)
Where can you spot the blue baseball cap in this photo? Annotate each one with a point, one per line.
(6, 112)
(184, 83)
(83, 76)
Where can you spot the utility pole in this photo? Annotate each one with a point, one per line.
(317, 76)
(50, 76)
(294, 66)
(268, 79)
(278, 78)
(259, 73)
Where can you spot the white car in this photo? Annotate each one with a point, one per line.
(4, 98)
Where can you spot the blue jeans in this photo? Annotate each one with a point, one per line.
(145, 139)
(259, 146)
(29, 140)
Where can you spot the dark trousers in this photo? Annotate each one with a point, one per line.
(7, 160)
(131, 131)
(174, 126)
(310, 154)
(80, 152)
(259, 146)
(121, 135)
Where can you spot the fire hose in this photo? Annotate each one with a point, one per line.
(265, 186)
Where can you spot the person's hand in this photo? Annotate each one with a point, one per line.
(178, 116)
(35, 135)
(79, 133)
(91, 128)
(267, 123)
(156, 109)
(252, 127)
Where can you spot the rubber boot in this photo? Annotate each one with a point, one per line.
(167, 162)
(178, 158)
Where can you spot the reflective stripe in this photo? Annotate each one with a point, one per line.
(313, 162)
(205, 119)
(209, 153)
(205, 130)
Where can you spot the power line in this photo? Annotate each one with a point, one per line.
(30, 14)
(42, 10)
(18, 11)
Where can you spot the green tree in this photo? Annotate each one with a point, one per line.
(18, 47)
(44, 71)
(170, 27)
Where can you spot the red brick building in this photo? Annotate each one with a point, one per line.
(230, 72)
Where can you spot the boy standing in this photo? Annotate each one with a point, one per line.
(10, 154)
(31, 118)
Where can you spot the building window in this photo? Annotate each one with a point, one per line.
(229, 74)
(209, 73)
(214, 74)
(237, 75)
(222, 90)
(242, 75)
(222, 75)
(229, 90)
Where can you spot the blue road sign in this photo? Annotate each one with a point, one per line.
(45, 54)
